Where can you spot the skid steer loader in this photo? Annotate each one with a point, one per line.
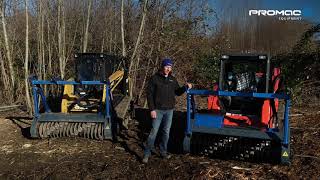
(92, 102)
(243, 120)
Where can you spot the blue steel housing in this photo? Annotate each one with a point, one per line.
(194, 120)
(101, 117)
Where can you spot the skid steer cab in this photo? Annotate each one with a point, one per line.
(244, 119)
(88, 100)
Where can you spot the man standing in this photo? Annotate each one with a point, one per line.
(162, 89)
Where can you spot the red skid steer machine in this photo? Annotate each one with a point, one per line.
(243, 120)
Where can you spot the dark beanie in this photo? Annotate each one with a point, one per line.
(166, 62)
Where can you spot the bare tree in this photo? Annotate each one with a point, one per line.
(61, 38)
(124, 51)
(85, 41)
(26, 61)
(41, 52)
(142, 23)
(140, 34)
(7, 44)
(49, 38)
(4, 77)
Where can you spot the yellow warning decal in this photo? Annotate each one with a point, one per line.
(285, 153)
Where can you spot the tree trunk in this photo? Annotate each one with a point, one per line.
(26, 61)
(49, 48)
(39, 65)
(124, 51)
(7, 45)
(41, 53)
(61, 39)
(115, 28)
(4, 77)
(106, 29)
(44, 71)
(85, 41)
(144, 13)
(71, 47)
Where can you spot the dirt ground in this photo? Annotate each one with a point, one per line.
(79, 158)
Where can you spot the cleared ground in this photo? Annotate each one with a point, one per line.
(74, 158)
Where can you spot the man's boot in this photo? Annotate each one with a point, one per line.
(145, 159)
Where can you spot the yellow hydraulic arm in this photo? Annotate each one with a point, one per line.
(69, 97)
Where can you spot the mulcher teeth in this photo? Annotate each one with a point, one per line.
(70, 129)
(240, 148)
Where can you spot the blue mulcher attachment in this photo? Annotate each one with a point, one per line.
(208, 133)
(95, 124)
(82, 105)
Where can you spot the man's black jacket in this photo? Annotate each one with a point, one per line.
(162, 90)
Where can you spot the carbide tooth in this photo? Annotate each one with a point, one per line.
(45, 130)
(56, 125)
(61, 129)
(75, 129)
(40, 130)
(68, 130)
(100, 130)
(65, 129)
(52, 129)
(79, 129)
(84, 127)
(89, 131)
(53, 133)
(49, 129)
(87, 135)
(71, 129)
(92, 131)
(55, 129)
(96, 131)
(82, 130)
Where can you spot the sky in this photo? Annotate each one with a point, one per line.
(310, 8)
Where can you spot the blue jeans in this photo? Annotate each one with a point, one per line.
(164, 117)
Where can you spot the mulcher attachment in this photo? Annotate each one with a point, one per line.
(233, 147)
(99, 125)
(66, 129)
(213, 135)
(87, 101)
(87, 125)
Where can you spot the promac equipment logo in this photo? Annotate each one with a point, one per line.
(283, 15)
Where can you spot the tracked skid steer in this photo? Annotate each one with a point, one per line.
(247, 117)
(87, 103)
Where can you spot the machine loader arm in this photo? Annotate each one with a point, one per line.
(115, 79)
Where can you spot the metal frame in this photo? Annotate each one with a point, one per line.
(270, 132)
(227, 60)
(38, 91)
